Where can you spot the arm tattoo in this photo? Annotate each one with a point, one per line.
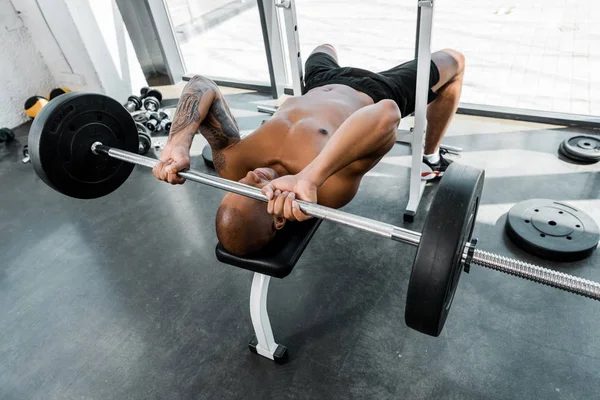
(188, 111)
(218, 127)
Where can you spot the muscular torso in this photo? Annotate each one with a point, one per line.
(296, 134)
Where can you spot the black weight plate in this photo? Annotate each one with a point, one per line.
(207, 156)
(552, 230)
(61, 137)
(145, 143)
(563, 152)
(583, 147)
(438, 262)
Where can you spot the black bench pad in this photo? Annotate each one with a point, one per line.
(280, 256)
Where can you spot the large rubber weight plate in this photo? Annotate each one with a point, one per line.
(61, 137)
(585, 148)
(552, 230)
(439, 259)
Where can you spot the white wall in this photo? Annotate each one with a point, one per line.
(82, 45)
(108, 45)
(23, 72)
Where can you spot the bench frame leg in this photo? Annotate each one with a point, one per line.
(263, 343)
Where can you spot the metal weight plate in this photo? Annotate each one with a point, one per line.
(584, 148)
(439, 260)
(145, 143)
(552, 230)
(61, 137)
(563, 152)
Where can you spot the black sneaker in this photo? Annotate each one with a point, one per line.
(440, 167)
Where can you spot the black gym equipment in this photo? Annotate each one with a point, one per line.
(439, 262)
(145, 143)
(133, 104)
(158, 121)
(152, 100)
(34, 104)
(65, 129)
(153, 123)
(582, 148)
(85, 145)
(54, 93)
(144, 92)
(6, 135)
(552, 230)
(165, 121)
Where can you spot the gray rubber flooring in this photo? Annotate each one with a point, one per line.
(122, 297)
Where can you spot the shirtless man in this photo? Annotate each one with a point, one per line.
(316, 147)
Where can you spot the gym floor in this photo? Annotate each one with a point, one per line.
(122, 297)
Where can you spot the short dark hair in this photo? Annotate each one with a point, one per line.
(243, 233)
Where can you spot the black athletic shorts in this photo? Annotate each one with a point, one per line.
(398, 84)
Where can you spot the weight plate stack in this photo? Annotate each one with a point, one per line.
(552, 230)
(581, 148)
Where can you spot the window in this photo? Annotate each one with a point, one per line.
(220, 38)
(529, 55)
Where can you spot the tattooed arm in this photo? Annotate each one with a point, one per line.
(201, 107)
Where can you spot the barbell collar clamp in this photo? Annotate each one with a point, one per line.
(468, 254)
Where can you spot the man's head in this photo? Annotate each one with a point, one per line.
(243, 224)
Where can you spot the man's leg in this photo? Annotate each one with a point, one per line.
(327, 49)
(451, 65)
(322, 59)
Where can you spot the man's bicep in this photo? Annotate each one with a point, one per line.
(219, 127)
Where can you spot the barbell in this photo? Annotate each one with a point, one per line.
(84, 145)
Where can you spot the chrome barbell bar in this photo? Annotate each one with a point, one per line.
(485, 259)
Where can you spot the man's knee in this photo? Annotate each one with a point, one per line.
(326, 48)
(451, 66)
(458, 58)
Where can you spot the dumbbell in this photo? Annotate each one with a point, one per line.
(165, 121)
(133, 104)
(152, 100)
(153, 122)
(158, 122)
(144, 140)
(144, 92)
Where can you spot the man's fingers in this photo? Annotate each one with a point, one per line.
(156, 170)
(279, 203)
(271, 205)
(268, 191)
(298, 214)
(287, 207)
(177, 166)
(175, 179)
(163, 172)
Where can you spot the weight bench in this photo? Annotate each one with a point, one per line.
(277, 259)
